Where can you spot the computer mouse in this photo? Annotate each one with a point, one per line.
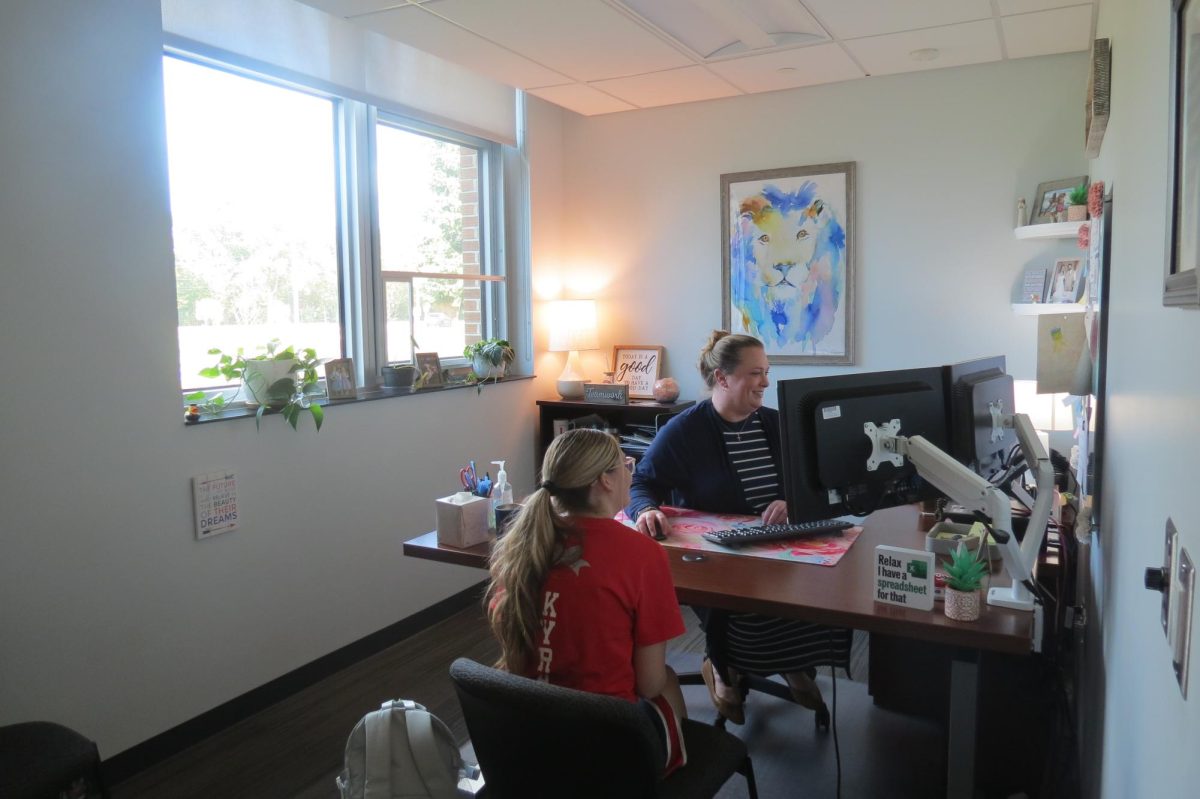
(660, 536)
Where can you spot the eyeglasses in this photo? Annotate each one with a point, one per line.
(628, 462)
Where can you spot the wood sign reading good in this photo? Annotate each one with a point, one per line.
(611, 393)
(637, 366)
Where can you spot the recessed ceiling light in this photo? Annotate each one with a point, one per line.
(786, 70)
(924, 54)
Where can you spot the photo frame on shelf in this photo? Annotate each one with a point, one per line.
(639, 365)
(1180, 286)
(1067, 280)
(1033, 289)
(339, 379)
(788, 258)
(1050, 200)
(429, 369)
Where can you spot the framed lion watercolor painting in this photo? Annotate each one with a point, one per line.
(787, 239)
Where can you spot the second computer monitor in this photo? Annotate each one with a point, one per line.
(978, 392)
(825, 447)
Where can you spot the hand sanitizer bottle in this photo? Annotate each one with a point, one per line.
(501, 493)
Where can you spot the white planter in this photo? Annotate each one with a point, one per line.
(259, 376)
(486, 371)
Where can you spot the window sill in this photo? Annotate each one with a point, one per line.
(364, 395)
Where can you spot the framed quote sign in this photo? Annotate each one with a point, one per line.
(639, 365)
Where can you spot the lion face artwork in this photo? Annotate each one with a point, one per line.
(787, 261)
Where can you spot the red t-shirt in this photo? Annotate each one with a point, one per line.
(612, 592)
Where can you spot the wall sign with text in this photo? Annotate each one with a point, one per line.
(639, 365)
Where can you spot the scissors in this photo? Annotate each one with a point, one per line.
(467, 478)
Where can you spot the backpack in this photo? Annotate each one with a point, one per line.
(402, 751)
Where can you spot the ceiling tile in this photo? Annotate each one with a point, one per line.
(699, 25)
(584, 39)
(350, 8)
(969, 43)
(1063, 30)
(1009, 7)
(852, 19)
(806, 66)
(665, 88)
(582, 99)
(435, 35)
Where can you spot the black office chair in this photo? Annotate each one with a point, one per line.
(534, 740)
(42, 760)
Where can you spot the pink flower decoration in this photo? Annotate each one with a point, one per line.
(1096, 198)
(1084, 236)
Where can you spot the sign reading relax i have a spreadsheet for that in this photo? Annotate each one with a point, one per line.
(904, 577)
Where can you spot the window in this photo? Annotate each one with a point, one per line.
(432, 206)
(267, 216)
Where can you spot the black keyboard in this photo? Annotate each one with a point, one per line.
(775, 532)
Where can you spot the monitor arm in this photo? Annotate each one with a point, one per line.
(973, 492)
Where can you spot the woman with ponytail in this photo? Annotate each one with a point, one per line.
(580, 600)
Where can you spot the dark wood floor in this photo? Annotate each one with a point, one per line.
(294, 749)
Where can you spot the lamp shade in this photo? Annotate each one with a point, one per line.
(572, 325)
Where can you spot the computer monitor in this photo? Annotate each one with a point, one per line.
(825, 448)
(977, 392)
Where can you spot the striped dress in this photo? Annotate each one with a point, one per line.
(754, 643)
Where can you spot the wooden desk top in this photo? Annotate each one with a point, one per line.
(837, 595)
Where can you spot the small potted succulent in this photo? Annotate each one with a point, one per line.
(1077, 203)
(489, 358)
(964, 576)
(279, 379)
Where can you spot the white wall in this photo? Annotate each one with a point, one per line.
(114, 619)
(1141, 734)
(942, 158)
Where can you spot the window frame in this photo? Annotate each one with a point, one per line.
(492, 275)
(362, 282)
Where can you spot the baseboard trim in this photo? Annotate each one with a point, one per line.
(152, 751)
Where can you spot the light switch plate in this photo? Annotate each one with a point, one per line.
(1170, 555)
(1185, 578)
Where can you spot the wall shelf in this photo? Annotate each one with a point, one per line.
(1039, 308)
(1052, 230)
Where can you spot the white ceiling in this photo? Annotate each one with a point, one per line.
(601, 56)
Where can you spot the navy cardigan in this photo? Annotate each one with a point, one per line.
(687, 464)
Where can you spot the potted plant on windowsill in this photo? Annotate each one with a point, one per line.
(489, 358)
(279, 380)
(964, 577)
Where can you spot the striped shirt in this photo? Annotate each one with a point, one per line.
(750, 456)
(761, 644)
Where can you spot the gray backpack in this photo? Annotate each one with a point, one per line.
(402, 751)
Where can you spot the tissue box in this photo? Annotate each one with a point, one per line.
(462, 520)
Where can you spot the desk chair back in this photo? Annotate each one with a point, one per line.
(534, 740)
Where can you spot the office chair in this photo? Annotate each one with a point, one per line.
(534, 739)
(39, 759)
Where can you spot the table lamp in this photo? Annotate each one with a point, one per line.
(572, 328)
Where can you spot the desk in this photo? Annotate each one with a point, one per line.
(837, 596)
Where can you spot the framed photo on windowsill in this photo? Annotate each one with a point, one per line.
(339, 379)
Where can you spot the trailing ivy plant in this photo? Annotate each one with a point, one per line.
(290, 393)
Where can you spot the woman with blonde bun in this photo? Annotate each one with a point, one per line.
(722, 455)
